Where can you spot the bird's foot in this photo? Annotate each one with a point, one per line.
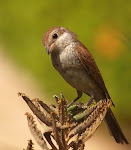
(79, 94)
(90, 101)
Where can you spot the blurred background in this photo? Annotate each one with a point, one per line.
(104, 27)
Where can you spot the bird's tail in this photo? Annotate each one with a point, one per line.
(114, 128)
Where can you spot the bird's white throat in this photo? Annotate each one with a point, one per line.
(64, 40)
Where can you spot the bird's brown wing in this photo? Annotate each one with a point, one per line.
(90, 65)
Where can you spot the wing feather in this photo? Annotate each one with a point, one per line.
(90, 66)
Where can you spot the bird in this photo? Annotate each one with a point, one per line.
(77, 66)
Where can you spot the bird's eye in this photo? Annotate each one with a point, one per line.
(55, 36)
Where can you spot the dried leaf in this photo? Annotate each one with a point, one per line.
(97, 121)
(48, 109)
(96, 111)
(47, 135)
(30, 145)
(56, 133)
(56, 98)
(36, 132)
(36, 110)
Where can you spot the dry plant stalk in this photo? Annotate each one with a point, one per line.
(30, 145)
(66, 127)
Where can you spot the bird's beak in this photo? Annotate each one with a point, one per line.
(48, 51)
(50, 48)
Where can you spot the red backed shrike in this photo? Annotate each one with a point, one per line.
(78, 68)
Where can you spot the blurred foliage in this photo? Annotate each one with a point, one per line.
(103, 26)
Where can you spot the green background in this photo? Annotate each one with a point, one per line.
(104, 26)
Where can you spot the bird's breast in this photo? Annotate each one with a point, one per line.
(67, 63)
(69, 66)
(66, 59)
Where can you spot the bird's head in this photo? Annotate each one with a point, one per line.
(57, 38)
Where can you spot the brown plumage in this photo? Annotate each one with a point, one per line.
(91, 68)
(78, 68)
